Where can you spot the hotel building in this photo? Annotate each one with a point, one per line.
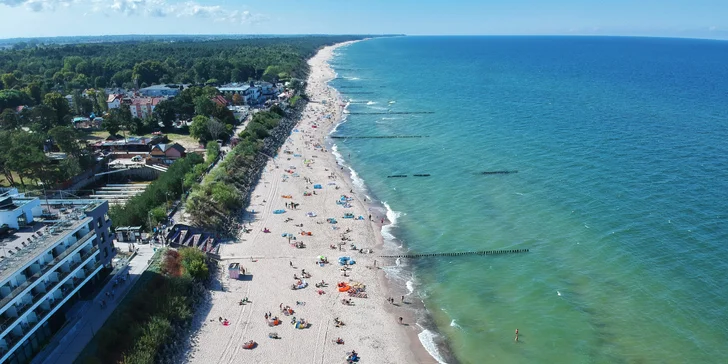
(51, 253)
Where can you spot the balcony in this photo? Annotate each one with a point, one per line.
(42, 314)
(48, 267)
(51, 286)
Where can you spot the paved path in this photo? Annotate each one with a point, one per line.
(69, 342)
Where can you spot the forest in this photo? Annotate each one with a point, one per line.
(63, 68)
(36, 77)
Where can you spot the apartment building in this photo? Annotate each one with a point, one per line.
(49, 251)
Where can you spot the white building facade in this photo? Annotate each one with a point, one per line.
(49, 254)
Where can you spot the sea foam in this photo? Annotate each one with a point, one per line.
(427, 338)
(392, 216)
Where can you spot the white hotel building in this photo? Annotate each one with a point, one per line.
(51, 253)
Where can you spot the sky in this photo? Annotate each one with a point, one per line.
(669, 18)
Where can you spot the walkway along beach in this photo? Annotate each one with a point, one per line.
(307, 226)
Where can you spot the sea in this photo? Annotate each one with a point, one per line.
(618, 153)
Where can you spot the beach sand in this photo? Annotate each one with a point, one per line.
(270, 262)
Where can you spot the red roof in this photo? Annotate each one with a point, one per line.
(220, 100)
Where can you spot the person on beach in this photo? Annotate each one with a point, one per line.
(401, 322)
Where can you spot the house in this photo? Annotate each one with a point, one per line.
(114, 101)
(142, 107)
(268, 91)
(161, 90)
(220, 100)
(249, 92)
(167, 152)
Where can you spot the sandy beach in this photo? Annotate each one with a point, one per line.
(306, 174)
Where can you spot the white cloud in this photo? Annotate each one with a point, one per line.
(151, 8)
(242, 17)
(39, 5)
(12, 2)
(191, 8)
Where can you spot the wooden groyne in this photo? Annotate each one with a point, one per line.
(392, 113)
(499, 172)
(378, 136)
(404, 175)
(482, 252)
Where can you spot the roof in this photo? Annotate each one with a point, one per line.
(234, 87)
(132, 140)
(161, 87)
(146, 100)
(56, 223)
(165, 147)
(220, 100)
(114, 97)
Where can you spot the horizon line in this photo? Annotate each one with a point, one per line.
(281, 35)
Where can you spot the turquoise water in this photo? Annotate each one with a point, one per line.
(621, 195)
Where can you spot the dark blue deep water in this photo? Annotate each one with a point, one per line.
(621, 195)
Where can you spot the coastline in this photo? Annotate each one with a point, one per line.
(402, 285)
(371, 326)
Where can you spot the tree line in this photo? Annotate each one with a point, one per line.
(44, 68)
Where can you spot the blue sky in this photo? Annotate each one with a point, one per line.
(680, 18)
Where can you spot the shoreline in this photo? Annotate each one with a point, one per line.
(371, 328)
(415, 309)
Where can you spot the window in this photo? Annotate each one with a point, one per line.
(98, 222)
(106, 252)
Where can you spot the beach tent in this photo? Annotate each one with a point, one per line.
(317, 187)
(234, 270)
(279, 211)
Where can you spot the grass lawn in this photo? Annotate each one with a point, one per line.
(184, 140)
